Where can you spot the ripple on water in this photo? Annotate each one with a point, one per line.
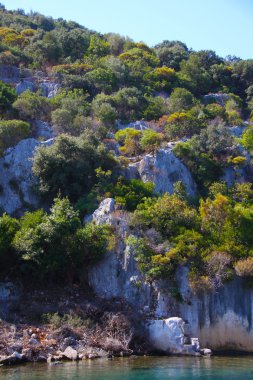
(142, 368)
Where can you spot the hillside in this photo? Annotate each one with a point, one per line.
(125, 174)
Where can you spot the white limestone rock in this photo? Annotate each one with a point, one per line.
(43, 130)
(139, 125)
(23, 86)
(168, 336)
(49, 88)
(70, 353)
(164, 169)
(103, 215)
(16, 176)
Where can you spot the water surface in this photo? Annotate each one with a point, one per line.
(147, 368)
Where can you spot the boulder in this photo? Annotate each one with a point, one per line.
(12, 359)
(164, 169)
(70, 353)
(168, 336)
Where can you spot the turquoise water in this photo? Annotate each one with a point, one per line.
(154, 368)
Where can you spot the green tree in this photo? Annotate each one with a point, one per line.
(181, 100)
(7, 96)
(69, 165)
(98, 46)
(131, 193)
(8, 228)
(57, 244)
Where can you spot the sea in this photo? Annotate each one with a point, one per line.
(141, 368)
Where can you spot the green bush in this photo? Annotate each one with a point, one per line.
(7, 96)
(33, 106)
(57, 244)
(8, 228)
(131, 193)
(150, 140)
(244, 268)
(11, 132)
(69, 165)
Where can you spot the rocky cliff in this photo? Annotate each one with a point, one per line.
(222, 319)
(16, 179)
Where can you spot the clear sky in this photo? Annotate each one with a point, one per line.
(225, 26)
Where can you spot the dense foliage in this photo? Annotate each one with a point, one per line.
(195, 102)
(53, 245)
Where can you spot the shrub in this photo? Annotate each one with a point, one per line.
(181, 100)
(69, 166)
(33, 106)
(7, 96)
(244, 268)
(57, 244)
(247, 138)
(150, 140)
(8, 228)
(131, 193)
(182, 124)
(11, 132)
(130, 139)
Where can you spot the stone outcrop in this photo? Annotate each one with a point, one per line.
(117, 274)
(138, 125)
(218, 98)
(12, 74)
(168, 336)
(49, 88)
(43, 130)
(16, 177)
(24, 79)
(23, 86)
(164, 169)
(222, 319)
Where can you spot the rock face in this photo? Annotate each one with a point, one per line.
(16, 177)
(165, 169)
(244, 173)
(43, 130)
(12, 74)
(139, 125)
(23, 86)
(222, 319)
(9, 294)
(117, 275)
(168, 336)
(218, 98)
(24, 79)
(49, 88)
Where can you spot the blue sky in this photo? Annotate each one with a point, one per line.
(222, 25)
